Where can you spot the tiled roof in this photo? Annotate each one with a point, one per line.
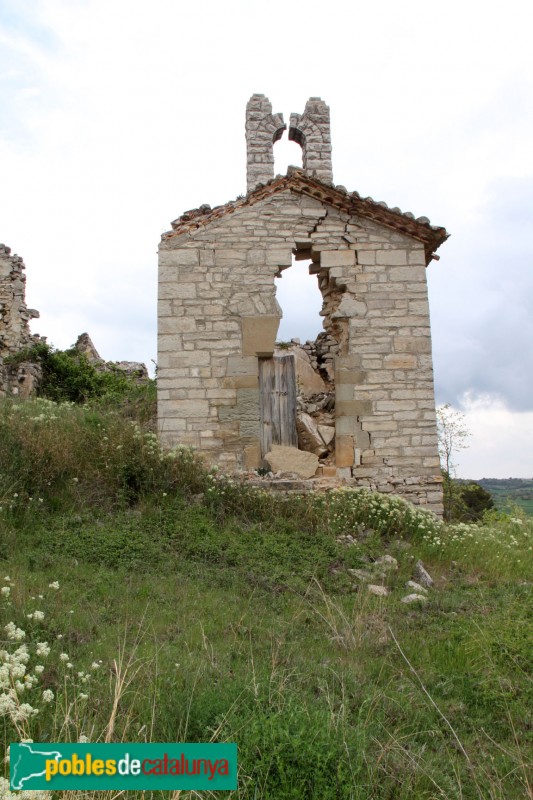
(420, 228)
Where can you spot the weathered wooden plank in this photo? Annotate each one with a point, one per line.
(276, 405)
(266, 369)
(290, 376)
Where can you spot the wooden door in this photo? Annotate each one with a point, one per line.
(277, 393)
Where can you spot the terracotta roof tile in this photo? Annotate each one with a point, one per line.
(432, 236)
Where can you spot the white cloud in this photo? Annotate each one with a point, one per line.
(502, 441)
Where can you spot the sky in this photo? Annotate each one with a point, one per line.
(116, 117)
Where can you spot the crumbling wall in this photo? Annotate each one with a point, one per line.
(218, 315)
(15, 334)
(134, 370)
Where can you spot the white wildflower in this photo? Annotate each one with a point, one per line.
(43, 649)
(48, 695)
(14, 633)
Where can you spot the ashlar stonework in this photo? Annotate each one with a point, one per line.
(218, 319)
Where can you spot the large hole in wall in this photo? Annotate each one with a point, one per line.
(300, 299)
(303, 335)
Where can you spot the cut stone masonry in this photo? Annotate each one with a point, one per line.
(218, 320)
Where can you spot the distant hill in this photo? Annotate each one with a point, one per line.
(510, 491)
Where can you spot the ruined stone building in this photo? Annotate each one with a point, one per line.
(15, 333)
(222, 385)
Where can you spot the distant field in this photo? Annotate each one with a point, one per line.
(510, 491)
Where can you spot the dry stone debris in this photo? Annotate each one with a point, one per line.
(414, 598)
(284, 459)
(422, 575)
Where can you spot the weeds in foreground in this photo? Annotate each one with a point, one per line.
(249, 633)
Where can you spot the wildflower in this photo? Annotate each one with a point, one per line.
(63, 656)
(14, 633)
(54, 585)
(82, 739)
(95, 665)
(69, 664)
(83, 696)
(38, 669)
(48, 695)
(5, 590)
(43, 649)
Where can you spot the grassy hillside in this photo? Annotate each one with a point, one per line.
(160, 602)
(510, 492)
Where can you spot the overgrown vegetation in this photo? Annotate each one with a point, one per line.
(193, 608)
(68, 376)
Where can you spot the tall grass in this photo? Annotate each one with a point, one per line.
(218, 612)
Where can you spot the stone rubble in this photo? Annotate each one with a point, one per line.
(134, 370)
(422, 575)
(15, 335)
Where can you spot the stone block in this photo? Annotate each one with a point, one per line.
(349, 376)
(229, 257)
(277, 257)
(391, 257)
(344, 392)
(337, 258)
(413, 273)
(252, 456)
(412, 344)
(239, 365)
(366, 257)
(259, 335)
(397, 361)
(344, 451)
(353, 408)
(327, 432)
(350, 307)
(187, 257)
(329, 471)
(309, 438)
(290, 459)
(241, 382)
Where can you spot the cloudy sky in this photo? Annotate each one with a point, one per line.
(115, 117)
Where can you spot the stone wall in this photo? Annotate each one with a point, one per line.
(218, 315)
(15, 333)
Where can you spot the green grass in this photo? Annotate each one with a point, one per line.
(223, 614)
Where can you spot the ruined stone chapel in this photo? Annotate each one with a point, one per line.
(223, 385)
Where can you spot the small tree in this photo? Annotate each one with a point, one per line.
(452, 436)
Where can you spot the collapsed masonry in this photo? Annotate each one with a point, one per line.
(134, 370)
(222, 386)
(21, 379)
(15, 336)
